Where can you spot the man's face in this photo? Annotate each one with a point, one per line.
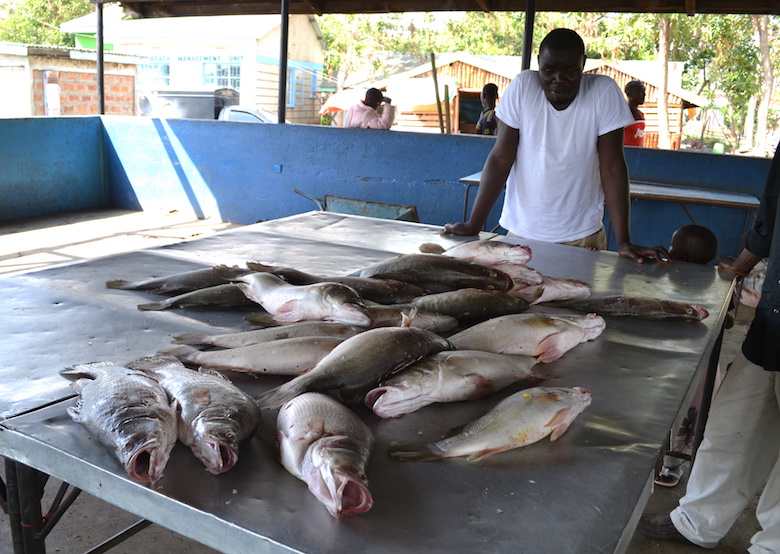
(559, 75)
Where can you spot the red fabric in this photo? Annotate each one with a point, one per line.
(634, 134)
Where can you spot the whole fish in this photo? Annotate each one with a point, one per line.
(554, 289)
(471, 303)
(449, 377)
(636, 306)
(128, 412)
(546, 337)
(355, 365)
(172, 284)
(409, 315)
(384, 291)
(519, 420)
(280, 357)
(522, 275)
(225, 295)
(491, 252)
(437, 273)
(327, 446)
(290, 303)
(257, 336)
(214, 416)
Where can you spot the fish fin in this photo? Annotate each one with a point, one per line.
(206, 370)
(420, 452)
(535, 295)
(183, 352)
(261, 267)
(548, 349)
(482, 454)
(454, 431)
(154, 306)
(191, 338)
(119, 284)
(560, 422)
(431, 248)
(286, 312)
(275, 397)
(482, 386)
(263, 320)
(406, 319)
(548, 398)
(230, 273)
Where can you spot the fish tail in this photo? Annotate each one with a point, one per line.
(419, 452)
(154, 306)
(231, 273)
(119, 284)
(275, 397)
(191, 338)
(185, 353)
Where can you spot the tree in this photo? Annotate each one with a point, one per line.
(38, 21)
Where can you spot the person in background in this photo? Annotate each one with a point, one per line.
(740, 453)
(364, 114)
(634, 134)
(560, 153)
(699, 245)
(488, 124)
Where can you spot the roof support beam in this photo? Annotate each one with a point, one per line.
(528, 33)
(690, 7)
(284, 40)
(101, 89)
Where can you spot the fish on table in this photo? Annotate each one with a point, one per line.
(280, 357)
(277, 332)
(545, 337)
(177, 283)
(485, 252)
(641, 307)
(290, 303)
(225, 295)
(326, 445)
(128, 412)
(554, 289)
(401, 315)
(472, 303)
(450, 376)
(214, 416)
(355, 365)
(437, 273)
(521, 419)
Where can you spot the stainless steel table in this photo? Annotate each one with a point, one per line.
(581, 493)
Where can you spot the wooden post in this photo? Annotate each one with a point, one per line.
(436, 86)
(447, 103)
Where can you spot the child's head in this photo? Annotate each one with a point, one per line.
(693, 243)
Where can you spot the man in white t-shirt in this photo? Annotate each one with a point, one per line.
(560, 152)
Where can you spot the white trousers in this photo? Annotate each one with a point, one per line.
(740, 453)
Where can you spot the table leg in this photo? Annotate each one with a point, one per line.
(25, 489)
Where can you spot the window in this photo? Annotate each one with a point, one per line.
(222, 75)
(296, 84)
(155, 75)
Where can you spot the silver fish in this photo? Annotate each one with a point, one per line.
(214, 416)
(449, 377)
(359, 362)
(408, 315)
(471, 303)
(128, 412)
(554, 289)
(521, 419)
(289, 303)
(438, 273)
(257, 336)
(221, 295)
(491, 252)
(280, 357)
(172, 284)
(326, 445)
(546, 337)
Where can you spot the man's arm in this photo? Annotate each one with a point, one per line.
(614, 180)
(494, 174)
(385, 121)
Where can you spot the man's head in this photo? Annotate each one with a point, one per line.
(374, 97)
(561, 61)
(489, 96)
(635, 92)
(693, 243)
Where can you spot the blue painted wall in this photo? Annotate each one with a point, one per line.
(244, 172)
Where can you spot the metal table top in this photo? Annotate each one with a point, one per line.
(581, 493)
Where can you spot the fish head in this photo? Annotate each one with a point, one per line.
(217, 433)
(144, 449)
(344, 305)
(700, 312)
(593, 325)
(583, 395)
(333, 468)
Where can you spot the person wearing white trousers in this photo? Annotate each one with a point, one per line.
(740, 452)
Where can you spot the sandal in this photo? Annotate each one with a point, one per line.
(668, 477)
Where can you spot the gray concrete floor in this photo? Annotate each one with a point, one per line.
(35, 243)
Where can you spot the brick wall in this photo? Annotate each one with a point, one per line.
(78, 93)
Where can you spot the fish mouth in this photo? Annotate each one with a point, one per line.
(701, 311)
(373, 396)
(354, 496)
(219, 457)
(147, 463)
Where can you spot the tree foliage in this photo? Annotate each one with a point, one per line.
(37, 21)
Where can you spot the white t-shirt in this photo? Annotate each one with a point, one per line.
(554, 191)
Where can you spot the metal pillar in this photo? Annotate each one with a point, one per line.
(528, 33)
(283, 60)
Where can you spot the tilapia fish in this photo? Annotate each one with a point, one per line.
(384, 291)
(521, 419)
(546, 337)
(128, 412)
(172, 284)
(449, 377)
(358, 363)
(554, 289)
(437, 273)
(225, 295)
(491, 252)
(326, 445)
(280, 357)
(636, 306)
(290, 303)
(471, 303)
(214, 416)
(257, 336)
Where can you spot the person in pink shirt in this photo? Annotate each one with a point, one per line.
(364, 114)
